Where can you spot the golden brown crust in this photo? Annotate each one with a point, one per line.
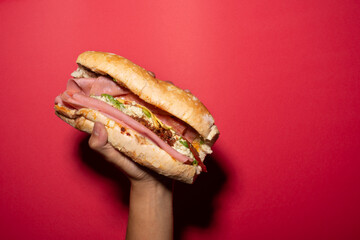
(161, 94)
(129, 142)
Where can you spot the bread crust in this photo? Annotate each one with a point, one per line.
(166, 96)
(129, 142)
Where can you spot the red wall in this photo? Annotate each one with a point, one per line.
(280, 77)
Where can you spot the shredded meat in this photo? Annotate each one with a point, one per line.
(165, 134)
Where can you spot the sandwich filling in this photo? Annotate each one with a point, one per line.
(102, 94)
(145, 116)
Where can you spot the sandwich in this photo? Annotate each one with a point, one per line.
(153, 122)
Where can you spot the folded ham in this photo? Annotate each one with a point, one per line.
(77, 96)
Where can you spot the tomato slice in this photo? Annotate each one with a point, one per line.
(196, 155)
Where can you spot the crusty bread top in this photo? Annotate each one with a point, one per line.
(166, 96)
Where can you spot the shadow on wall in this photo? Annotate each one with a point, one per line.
(106, 169)
(193, 204)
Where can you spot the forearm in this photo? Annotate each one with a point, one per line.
(151, 211)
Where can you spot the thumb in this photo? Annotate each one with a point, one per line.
(98, 137)
(98, 141)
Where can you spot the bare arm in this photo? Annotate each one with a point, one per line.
(150, 215)
(151, 209)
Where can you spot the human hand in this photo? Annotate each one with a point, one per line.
(150, 214)
(136, 173)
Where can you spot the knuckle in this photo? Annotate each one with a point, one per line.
(93, 144)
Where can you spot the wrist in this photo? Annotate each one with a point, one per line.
(158, 183)
(151, 213)
(151, 187)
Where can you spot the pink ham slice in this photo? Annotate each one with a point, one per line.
(190, 134)
(95, 86)
(77, 96)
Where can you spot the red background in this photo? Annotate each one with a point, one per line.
(280, 77)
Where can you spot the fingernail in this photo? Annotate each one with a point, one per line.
(96, 130)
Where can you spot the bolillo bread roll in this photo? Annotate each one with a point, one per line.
(156, 98)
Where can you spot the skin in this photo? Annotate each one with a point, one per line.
(151, 205)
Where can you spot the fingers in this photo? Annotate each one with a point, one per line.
(98, 142)
(98, 137)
